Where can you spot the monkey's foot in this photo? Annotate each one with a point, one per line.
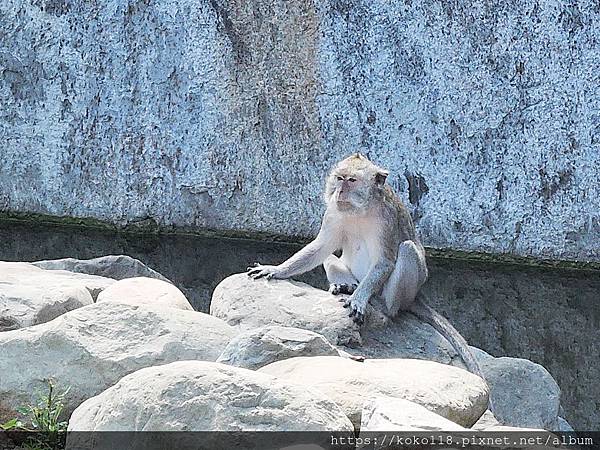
(347, 289)
(357, 311)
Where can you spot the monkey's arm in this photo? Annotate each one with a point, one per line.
(307, 259)
(326, 242)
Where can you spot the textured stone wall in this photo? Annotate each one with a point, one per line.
(225, 114)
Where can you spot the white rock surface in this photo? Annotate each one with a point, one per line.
(261, 346)
(91, 348)
(117, 267)
(247, 303)
(198, 395)
(145, 291)
(205, 396)
(448, 391)
(397, 414)
(30, 295)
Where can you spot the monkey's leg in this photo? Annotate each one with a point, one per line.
(400, 293)
(341, 280)
(409, 273)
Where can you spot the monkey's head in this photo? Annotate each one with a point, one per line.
(354, 183)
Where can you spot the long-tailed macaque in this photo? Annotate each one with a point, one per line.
(382, 258)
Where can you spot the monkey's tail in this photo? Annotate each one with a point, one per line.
(429, 315)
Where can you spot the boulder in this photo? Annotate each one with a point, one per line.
(264, 345)
(91, 348)
(247, 303)
(145, 291)
(448, 391)
(523, 393)
(205, 396)
(117, 267)
(397, 414)
(30, 295)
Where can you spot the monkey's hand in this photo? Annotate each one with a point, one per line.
(259, 271)
(357, 307)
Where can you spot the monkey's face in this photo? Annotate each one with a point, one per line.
(353, 183)
(350, 190)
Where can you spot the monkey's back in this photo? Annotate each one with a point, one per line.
(399, 215)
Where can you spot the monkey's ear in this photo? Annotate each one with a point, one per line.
(381, 176)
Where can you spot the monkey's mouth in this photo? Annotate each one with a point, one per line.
(344, 205)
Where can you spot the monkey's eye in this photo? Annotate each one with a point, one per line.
(351, 180)
(339, 178)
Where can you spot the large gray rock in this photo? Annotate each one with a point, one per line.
(117, 267)
(397, 414)
(232, 111)
(30, 295)
(145, 291)
(448, 391)
(523, 393)
(207, 396)
(261, 346)
(91, 348)
(406, 336)
(247, 303)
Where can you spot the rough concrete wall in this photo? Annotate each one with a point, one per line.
(226, 113)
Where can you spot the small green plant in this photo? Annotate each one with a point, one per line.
(43, 420)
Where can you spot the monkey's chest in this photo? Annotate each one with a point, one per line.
(360, 253)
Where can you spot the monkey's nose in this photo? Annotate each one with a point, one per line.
(342, 193)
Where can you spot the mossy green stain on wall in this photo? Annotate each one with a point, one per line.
(442, 256)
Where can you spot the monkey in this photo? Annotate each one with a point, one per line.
(382, 258)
